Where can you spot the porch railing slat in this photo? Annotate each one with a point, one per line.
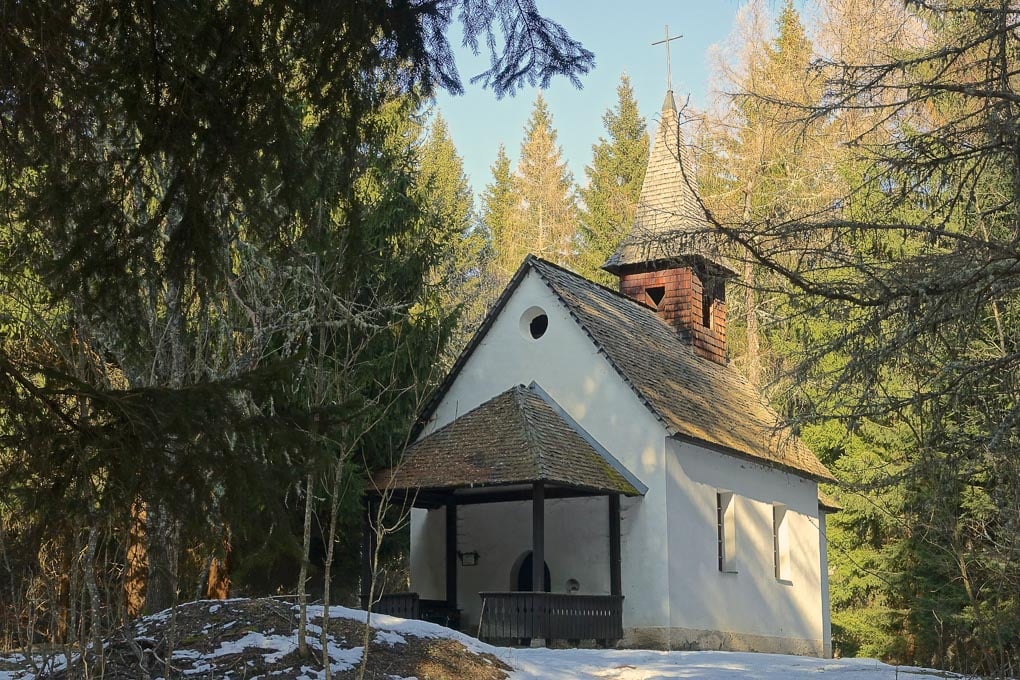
(551, 616)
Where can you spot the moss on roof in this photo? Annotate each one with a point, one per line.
(514, 438)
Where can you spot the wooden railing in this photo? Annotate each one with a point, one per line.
(404, 605)
(411, 606)
(551, 616)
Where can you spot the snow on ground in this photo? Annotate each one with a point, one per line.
(637, 664)
(572, 664)
(539, 663)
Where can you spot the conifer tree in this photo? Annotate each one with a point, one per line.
(207, 197)
(499, 202)
(614, 184)
(763, 164)
(544, 220)
(462, 276)
(903, 295)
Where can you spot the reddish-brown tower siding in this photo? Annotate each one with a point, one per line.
(682, 306)
(671, 246)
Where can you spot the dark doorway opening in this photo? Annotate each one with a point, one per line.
(525, 577)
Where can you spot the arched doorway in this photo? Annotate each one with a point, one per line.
(523, 578)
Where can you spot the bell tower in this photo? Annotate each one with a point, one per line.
(670, 261)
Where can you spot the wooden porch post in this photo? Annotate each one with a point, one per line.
(451, 553)
(538, 538)
(367, 551)
(615, 575)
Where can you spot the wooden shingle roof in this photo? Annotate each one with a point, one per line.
(694, 398)
(828, 503)
(670, 225)
(514, 438)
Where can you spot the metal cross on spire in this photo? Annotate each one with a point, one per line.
(669, 74)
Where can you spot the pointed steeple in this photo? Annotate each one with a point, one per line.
(670, 261)
(670, 227)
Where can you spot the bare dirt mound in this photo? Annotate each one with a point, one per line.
(257, 638)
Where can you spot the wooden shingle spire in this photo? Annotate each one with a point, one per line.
(670, 227)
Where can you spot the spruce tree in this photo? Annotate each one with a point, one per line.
(461, 277)
(614, 184)
(902, 295)
(499, 205)
(545, 216)
(215, 203)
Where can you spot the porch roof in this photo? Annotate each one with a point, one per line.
(518, 437)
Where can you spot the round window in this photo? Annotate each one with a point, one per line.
(534, 323)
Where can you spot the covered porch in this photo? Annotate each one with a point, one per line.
(520, 449)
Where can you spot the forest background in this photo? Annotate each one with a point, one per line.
(237, 257)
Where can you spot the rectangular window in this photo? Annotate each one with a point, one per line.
(707, 303)
(726, 527)
(780, 542)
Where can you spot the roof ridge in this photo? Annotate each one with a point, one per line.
(728, 373)
(596, 284)
(467, 413)
(520, 394)
(680, 332)
(608, 458)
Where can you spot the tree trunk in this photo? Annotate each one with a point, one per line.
(306, 546)
(752, 356)
(95, 614)
(376, 526)
(219, 580)
(137, 562)
(334, 508)
(161, 538)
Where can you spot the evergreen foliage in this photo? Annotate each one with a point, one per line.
(535, 209)
(897, 296)
(546, 222)
(614, 184)
(217, 251)
(499, 205)
(463, 276)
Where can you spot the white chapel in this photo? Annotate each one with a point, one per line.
(593, 469)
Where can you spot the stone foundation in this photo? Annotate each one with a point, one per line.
(689, 639)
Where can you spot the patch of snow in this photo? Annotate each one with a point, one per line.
(415, 628)
(191, 654)
(282, 644)
(202, 668)
(46, 663)
(571, 664)
(388, 637)
(342, 658)
(636, 664)
(345, 659)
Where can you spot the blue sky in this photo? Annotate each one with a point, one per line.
(620, 33)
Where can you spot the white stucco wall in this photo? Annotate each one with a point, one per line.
(751, 601)
(671, 580)
(567, 366)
